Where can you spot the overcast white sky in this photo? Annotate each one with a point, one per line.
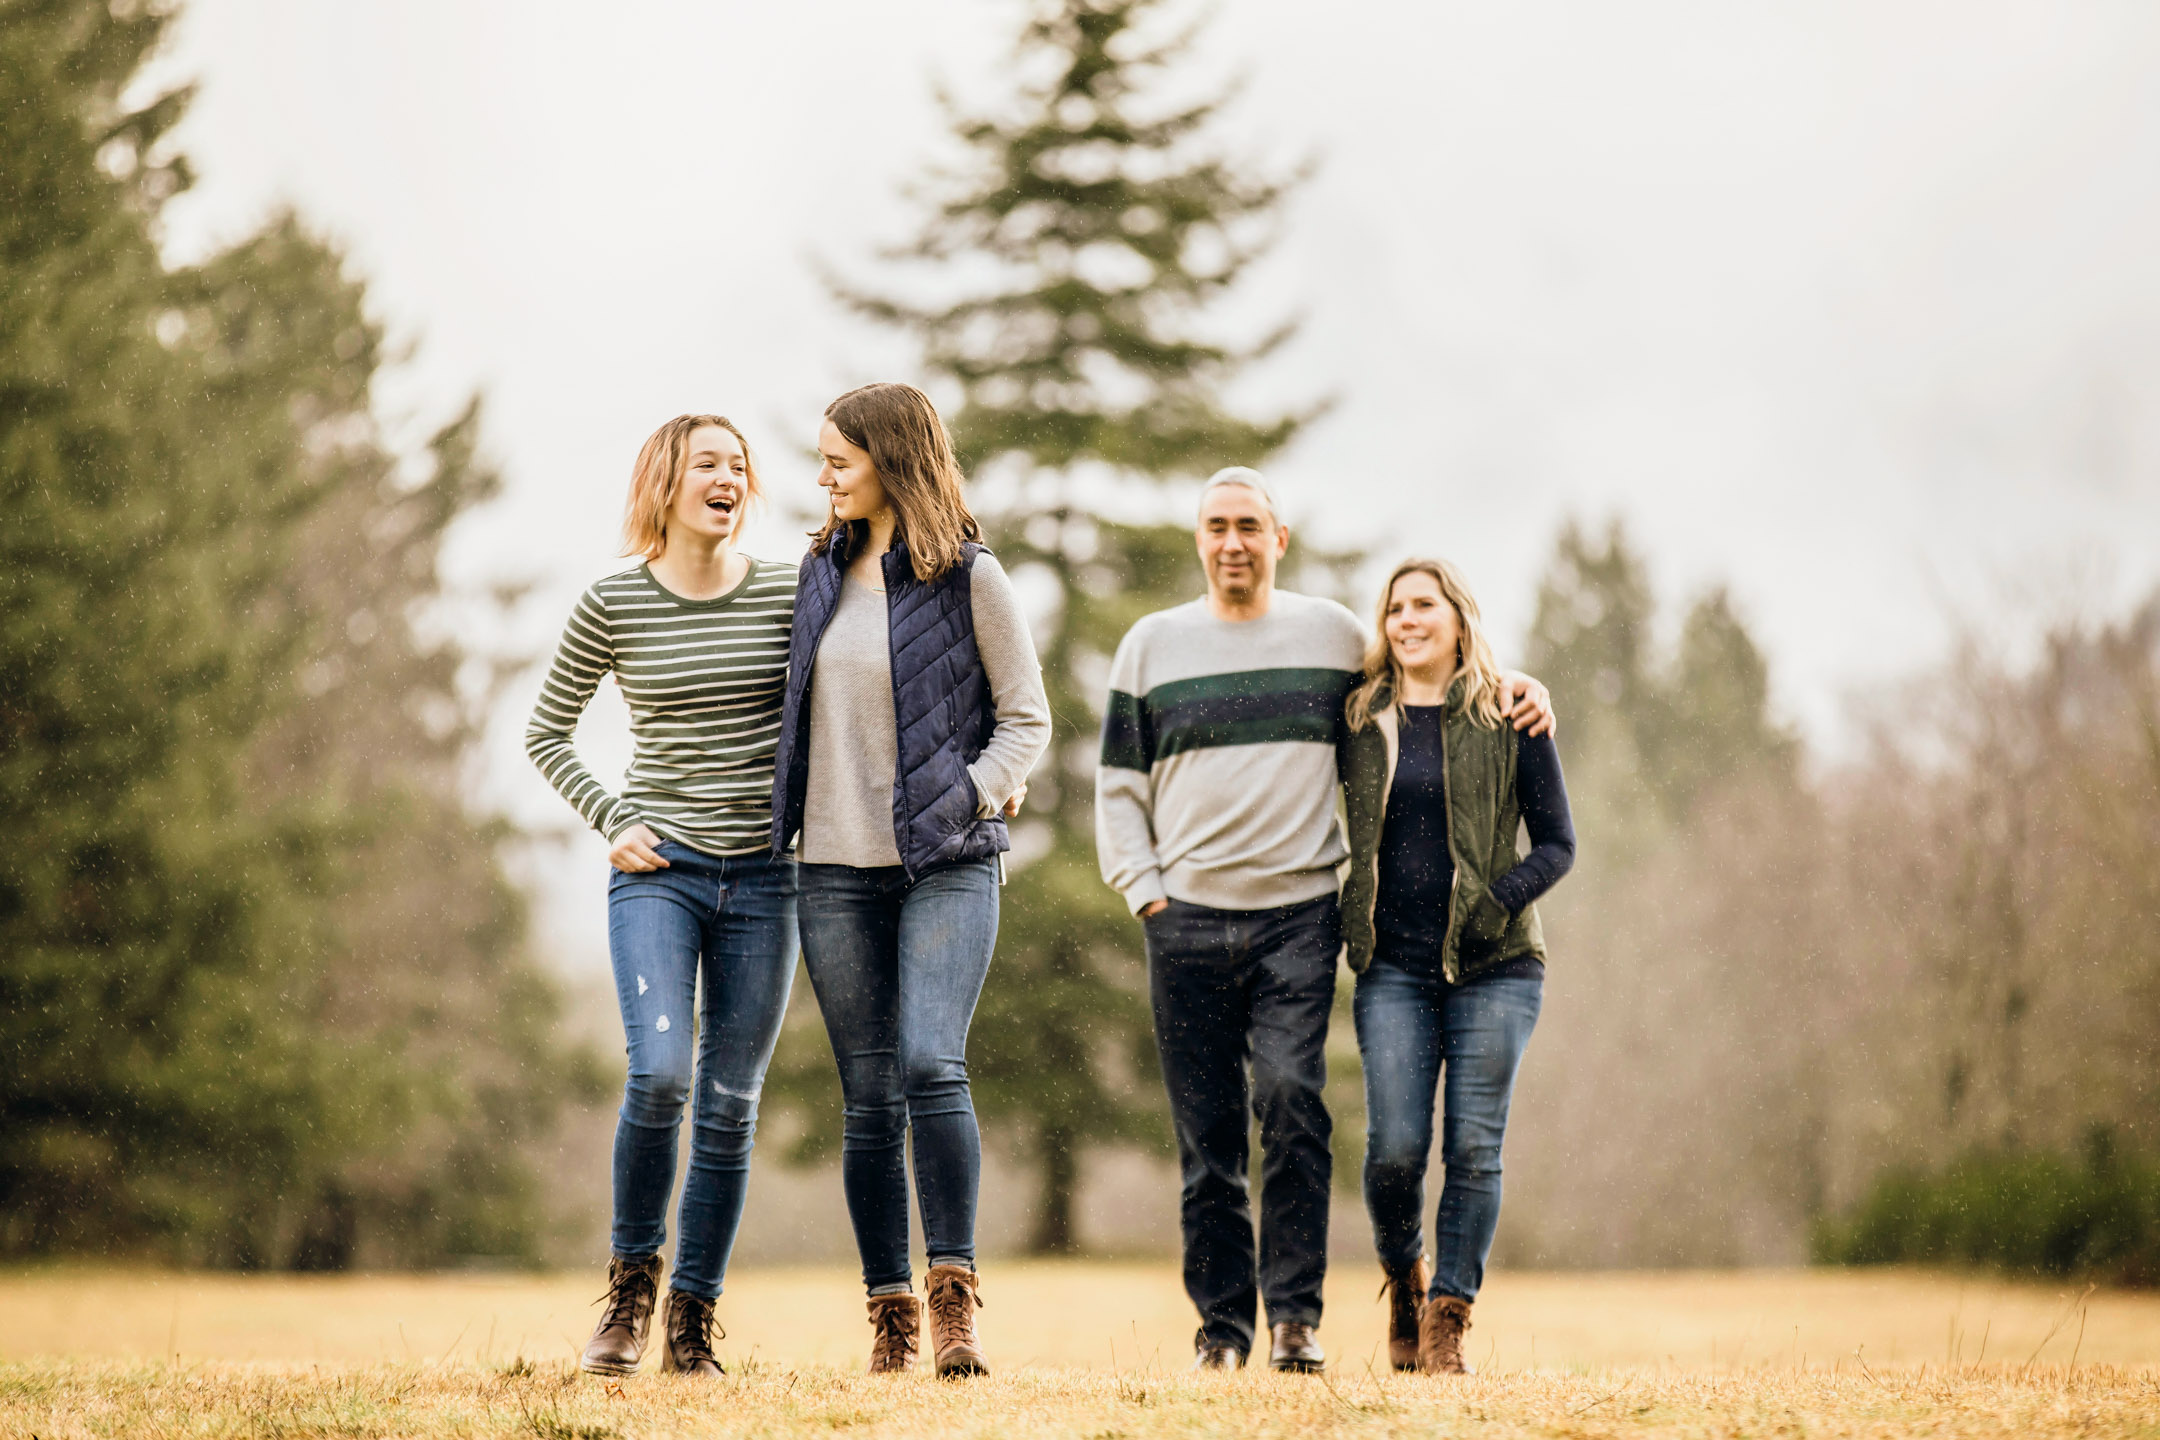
(1852, 306)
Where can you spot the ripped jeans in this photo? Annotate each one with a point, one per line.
(733, 918)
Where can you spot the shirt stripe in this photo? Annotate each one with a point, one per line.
(1244, 707)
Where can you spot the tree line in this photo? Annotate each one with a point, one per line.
(1898, 1008)
(265, 993)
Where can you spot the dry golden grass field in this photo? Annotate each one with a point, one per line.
(1082, 1350)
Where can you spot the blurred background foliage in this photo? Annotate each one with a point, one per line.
(266, 995)
(2034, 1212)
(264, 992)
(1786, 994)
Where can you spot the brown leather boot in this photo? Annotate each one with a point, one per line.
(687, 1325)
(1440, 1336)
(895, 1322)
(954, 1299)
(1405, 1294)
(618, 1341)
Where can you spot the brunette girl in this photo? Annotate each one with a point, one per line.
(1441, 930)
(915, 709)
(697, 637)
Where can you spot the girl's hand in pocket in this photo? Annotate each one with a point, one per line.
(636, 850)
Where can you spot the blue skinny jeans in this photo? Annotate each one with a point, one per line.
(731, 918)
(897, 968)
(1410, 1027)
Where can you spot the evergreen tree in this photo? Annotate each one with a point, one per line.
(1092, 230)
(195, 511)
(1717, 720)
(1644, 737)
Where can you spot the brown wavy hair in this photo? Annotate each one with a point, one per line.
(658, 475)
(898, 427)
(1474, 662)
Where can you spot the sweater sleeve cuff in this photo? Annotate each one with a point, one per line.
(1508, 895)
(612, 831)
(986, 804)
(1145, 891)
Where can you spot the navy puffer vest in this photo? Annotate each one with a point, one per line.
(942, 713)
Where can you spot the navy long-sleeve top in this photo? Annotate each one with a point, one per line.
(1416, 870)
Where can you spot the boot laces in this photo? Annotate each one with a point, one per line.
(691, 1327)
(895, 1335)
(953, 1301)
(1452, 1325)
(633, 1289)
(1401, 1295)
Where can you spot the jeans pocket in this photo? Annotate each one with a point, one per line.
(1159, 917)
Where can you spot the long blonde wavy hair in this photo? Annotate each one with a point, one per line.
(1474, 662)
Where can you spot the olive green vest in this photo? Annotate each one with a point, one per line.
(1483, 818)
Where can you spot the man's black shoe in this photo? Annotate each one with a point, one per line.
(1296, 1348)
(1210, 1355)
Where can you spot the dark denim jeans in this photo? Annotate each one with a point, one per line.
(1234, 989)
(1410, 1026)
(897, 969)
(733, 918)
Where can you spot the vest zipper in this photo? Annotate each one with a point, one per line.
(1387, 791)
(892, 668)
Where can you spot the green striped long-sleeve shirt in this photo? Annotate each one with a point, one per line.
(703, 679)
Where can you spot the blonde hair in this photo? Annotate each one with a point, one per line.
(898, 427)
(658, 476)
(1474, 662)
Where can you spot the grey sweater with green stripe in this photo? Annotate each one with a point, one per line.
(1217, 783)
(703, 680)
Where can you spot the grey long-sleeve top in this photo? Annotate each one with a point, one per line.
(854, 747)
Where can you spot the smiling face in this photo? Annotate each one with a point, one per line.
(1423, 630)
(850, 479)
(1239, 543)
(715, 488)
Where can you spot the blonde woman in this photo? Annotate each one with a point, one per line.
(1441, 929)
(696, 635)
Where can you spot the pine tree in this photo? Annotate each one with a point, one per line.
(1094, 230)
(1645, 736)
(213, 1049)
(1718, 721)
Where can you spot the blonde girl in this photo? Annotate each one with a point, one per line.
(1441, 929)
